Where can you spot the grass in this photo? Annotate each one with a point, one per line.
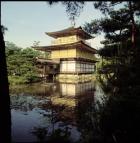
(14, 80)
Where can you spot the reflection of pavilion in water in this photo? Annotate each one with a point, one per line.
(70, 95)
(65, 108)
(69, 92)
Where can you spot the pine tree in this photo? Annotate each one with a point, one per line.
(119, 121)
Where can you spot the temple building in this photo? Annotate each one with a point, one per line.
(72, 54)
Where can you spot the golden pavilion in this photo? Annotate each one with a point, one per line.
(72, 54)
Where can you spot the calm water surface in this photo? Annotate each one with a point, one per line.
(54, 112)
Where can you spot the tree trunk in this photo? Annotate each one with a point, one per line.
(5, 123)
(133, 24)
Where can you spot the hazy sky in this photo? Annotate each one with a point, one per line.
(28, 21)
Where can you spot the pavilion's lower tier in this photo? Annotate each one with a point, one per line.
(76, 70)
(74, 67)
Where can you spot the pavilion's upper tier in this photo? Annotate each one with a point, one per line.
(71, 31)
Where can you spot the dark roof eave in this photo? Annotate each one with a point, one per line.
(42, 48)
(69, 31)
(47, 61)
(55, 47)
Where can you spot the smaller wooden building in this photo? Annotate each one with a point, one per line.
(47, 69)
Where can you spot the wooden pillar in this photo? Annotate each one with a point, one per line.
(53, 77)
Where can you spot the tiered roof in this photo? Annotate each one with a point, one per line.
(69, 32)
(80, 44)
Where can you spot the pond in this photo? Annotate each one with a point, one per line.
(54, 112)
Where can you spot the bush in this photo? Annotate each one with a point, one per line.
(13, 80)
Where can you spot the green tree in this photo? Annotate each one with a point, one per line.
(118, 32)
(119, 120)
(21, 64)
